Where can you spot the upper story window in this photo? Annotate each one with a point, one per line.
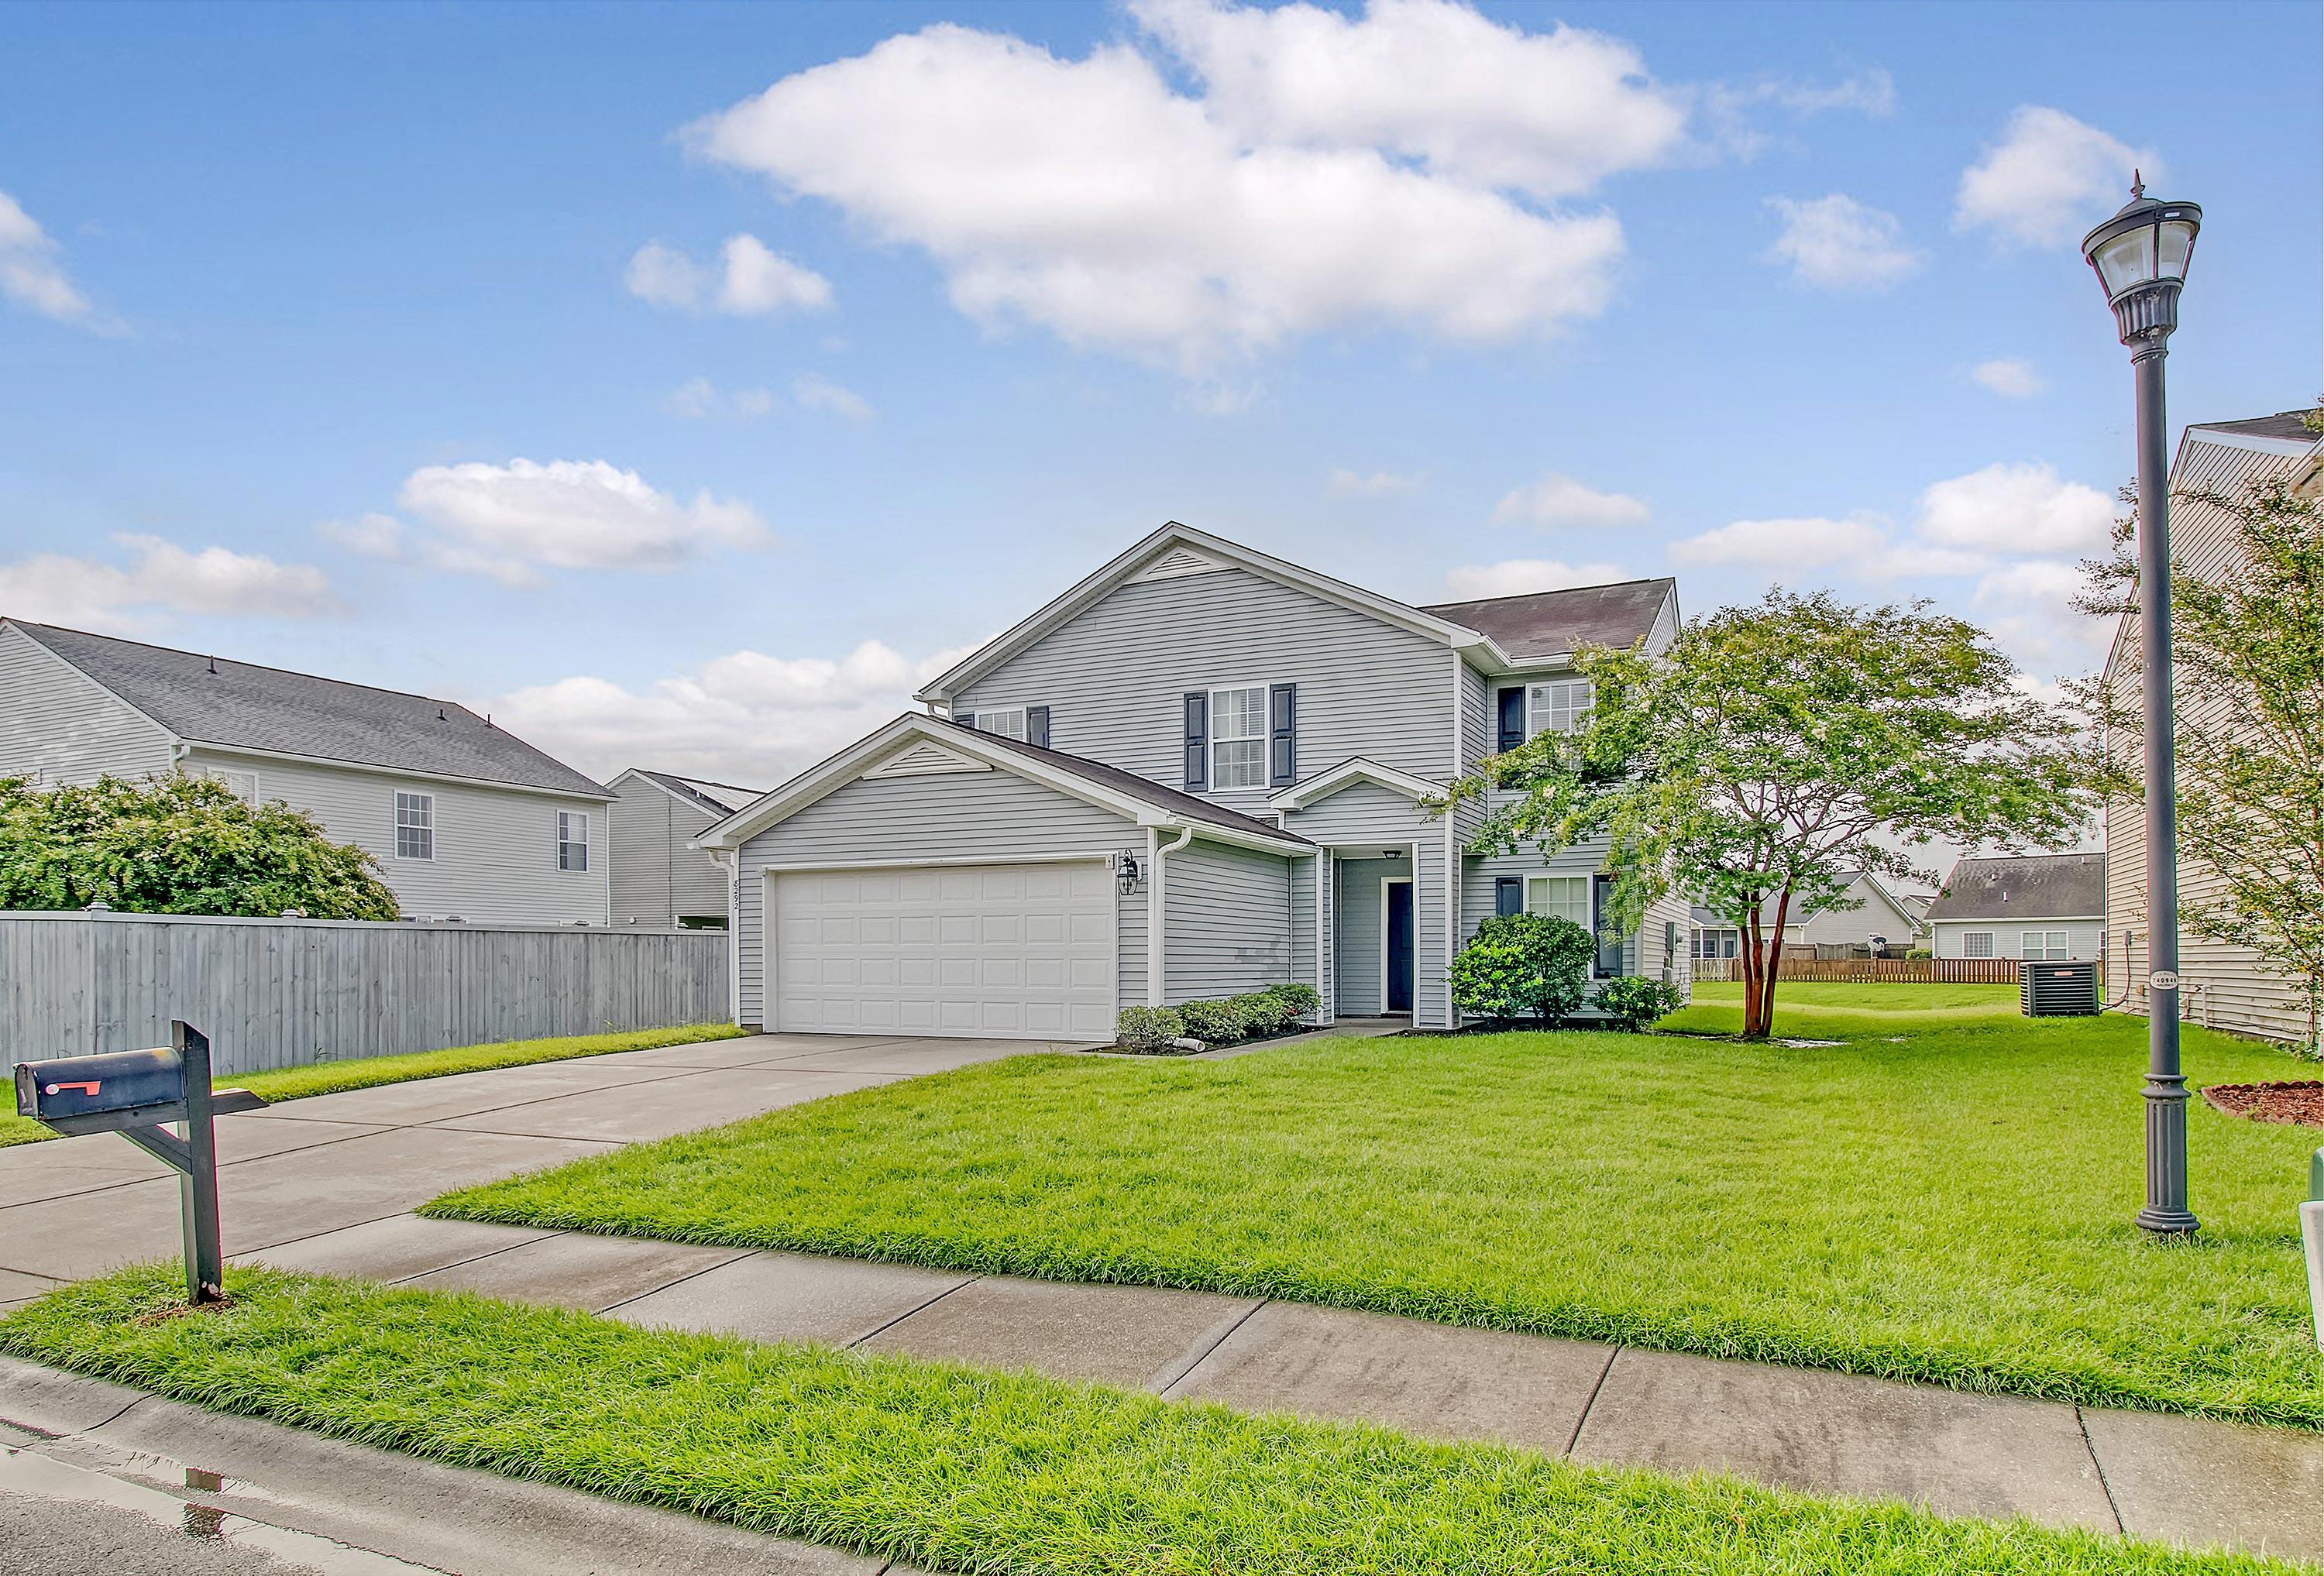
(572, 840)
(1976, 944)
(242, 784)
(1008, 722)
(1557, 706)
(415, 825)
(2043, 947)
(1238, 737)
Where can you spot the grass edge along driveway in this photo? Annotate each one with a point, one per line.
(1947, 1206)
(281, 1084)
(961, 1469)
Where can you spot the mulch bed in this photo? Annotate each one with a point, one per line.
(2300, 1104)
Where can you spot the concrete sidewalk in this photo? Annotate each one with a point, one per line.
(330, 1190)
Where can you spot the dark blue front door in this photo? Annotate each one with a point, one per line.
(1399, 947)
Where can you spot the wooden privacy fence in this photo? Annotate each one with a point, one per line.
(286, 992)
(1879, 971)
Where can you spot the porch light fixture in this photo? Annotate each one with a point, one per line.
(2140, 256)
(1126, 874)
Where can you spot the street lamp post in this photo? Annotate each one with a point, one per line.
(2141, 258)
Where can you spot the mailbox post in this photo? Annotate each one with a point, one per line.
(133, 1094)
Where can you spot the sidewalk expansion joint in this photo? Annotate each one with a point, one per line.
(1575, 1437)
(2106, 1487)
(740, 1253)
(1181, 1368)
(882, 1329)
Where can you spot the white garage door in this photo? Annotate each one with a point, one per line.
(1001, 951)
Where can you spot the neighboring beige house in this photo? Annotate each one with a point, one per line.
(1881, 917)
(657, 880)
(2045, 908)
(468, 821)
(2223, 986)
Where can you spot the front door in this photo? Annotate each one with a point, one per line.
(1398, 946)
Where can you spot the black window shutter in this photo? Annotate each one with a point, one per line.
(1513, 717)
(1282, 735)
(1036, 726)
(1603, 921)
(965, 719)
(1198, 740)
(1508, 895)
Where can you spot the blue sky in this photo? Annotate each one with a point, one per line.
(679, 383)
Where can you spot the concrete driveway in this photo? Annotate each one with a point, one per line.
(77, 1207)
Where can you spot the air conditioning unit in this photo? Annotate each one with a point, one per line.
(2059, 990)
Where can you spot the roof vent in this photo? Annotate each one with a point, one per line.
(441, 716)
(214, 664)
(1179, 561)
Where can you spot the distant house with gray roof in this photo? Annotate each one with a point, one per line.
(2049, 907)
(468, 821)
(657, 881)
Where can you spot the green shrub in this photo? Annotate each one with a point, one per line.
(1920, 952)
(1299, 1000)
(1635, 1004)
(1149, 1028)
(1212, 1022)
(1258, 1013)
(1524, 965)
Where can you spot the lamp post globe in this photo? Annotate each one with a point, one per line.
(2140, 256)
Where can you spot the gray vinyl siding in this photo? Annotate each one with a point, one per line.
(2083, 936)
(1115, 677)
(954, 817)
(1357, 977)
(495, 848)
(1364, 812)
(1477, 741)
(64, 727)
(1227, 922)
(655, 877)
(1303, 921)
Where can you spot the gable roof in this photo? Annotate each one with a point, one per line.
(1136, 798)
(2292, 426)
(1173, 536)
(2038, 886)
(272, 711)
(719, 798)
(1556, 624)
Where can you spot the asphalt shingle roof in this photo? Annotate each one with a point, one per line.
(1143, 787)
(1546, 624)
(2291, 424)
(213, 700)
(722, 798)
(2040, 886)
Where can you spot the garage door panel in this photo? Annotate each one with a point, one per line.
(1002, 950)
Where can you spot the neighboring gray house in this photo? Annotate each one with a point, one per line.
(2221, 984)
(2045, 908)
(468, 821)
(1880, 915)
(658, 878)
(1195, 772)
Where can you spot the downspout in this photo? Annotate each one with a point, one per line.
(727, 858)
(1155, 908)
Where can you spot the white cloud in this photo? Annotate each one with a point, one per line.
(2009, 378)
(510, 522)
(2018, 509)
(2028, 608)
(1516, 577)
(375, 536)
(2047, 179)
(1871, 92)
(1090, 198)
(1556, 500)
(700, 399)
(1837, 243)
(160, 576)
(1343, 483)
(752, 281)
(820, 394)
(1551, 114)
(1817, 544)
(746, 717)
(31, 273)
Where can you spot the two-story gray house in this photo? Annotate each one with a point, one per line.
(659, 879)
(466, 820)
(1197, 771)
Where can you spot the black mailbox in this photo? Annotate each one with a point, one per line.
(133, 1094)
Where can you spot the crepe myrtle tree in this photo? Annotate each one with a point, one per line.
(2248, 652)
(1751, 764)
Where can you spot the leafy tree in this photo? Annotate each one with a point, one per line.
(2248, 656)
(1751, 763)
(1523, 965)
(176, 846)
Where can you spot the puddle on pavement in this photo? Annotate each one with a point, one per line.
(30, 1473)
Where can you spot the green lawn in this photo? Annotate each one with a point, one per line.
(332, 1077)
(1809, 1009)
(956, 1468)
(1948, 1201)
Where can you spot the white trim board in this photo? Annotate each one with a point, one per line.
(1348, 772)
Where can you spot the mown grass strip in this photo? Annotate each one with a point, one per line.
(1948, 1205)
(335, 1077)
(964, 1470)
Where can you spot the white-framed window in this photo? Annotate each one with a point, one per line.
(2043, 946)
(1558, 706)
(1564, 897)
(1008, 722)
(242, 784)
(1976, 944)
(572, 840)
(415, 825)
(1238, 737)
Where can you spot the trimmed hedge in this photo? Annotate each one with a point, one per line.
(1278, 1007)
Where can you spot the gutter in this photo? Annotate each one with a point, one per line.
(1155, 908)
